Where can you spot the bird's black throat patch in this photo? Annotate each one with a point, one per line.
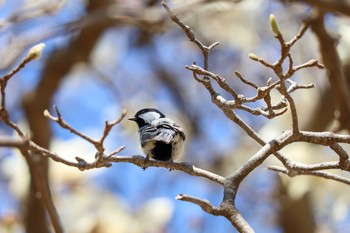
(162, 151)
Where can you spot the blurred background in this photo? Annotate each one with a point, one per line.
(102, 56)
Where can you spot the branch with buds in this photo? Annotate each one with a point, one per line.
(285, 86)
(24, 143)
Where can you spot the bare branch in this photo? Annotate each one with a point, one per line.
(10, 142)
(344, 162)
(140, 161)
(322, 138)
(302, 31)
(109, 126)
(204, 204)
(33, 54)
(321, 174)
(97, 143)
(65, 125)
(190, 34)
(343, 155)
(311, 63)
(116, 151)
(239, 75)
(294, 86)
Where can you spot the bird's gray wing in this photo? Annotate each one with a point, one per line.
(167, 130)
(148, 133)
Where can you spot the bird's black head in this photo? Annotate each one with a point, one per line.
(146, 116)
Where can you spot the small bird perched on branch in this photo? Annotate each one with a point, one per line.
(161, 138)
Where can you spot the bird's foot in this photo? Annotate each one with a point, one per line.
(171, 161)
(144, 166)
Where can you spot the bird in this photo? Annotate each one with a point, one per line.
(160, 137)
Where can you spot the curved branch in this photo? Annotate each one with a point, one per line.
(325, 175)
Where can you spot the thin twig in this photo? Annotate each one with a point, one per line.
(321, 174)
(65, 125)
(97, 143)
(204, 204)
(243, 80)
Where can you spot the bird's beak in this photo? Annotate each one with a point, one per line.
(132, 118)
